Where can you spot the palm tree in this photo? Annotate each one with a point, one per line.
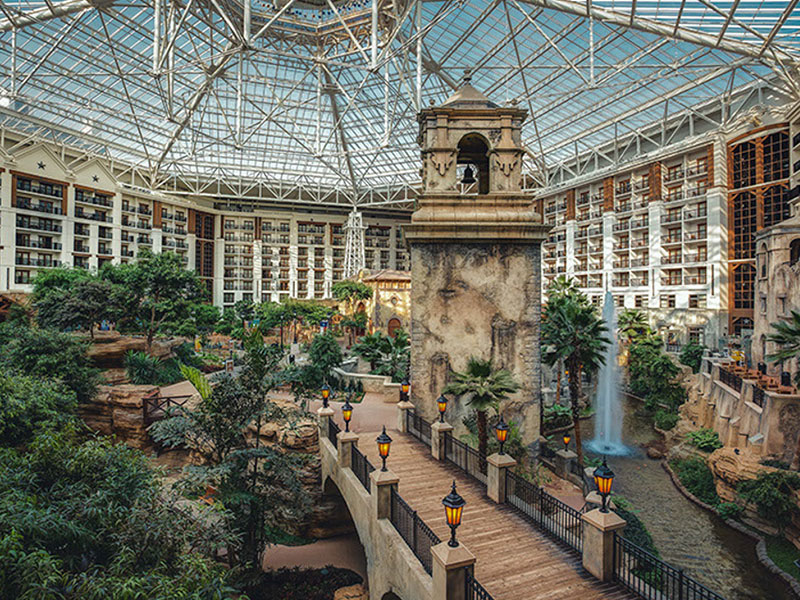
(787, 337)
(370, 347)
(631, 324)
(573, 332)
(485, 388)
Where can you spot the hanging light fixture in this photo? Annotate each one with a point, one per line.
(441, 403)
(469, 176)
(501, 431)
(453, 506)
(384, 441)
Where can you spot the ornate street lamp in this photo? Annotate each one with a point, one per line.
(453, 505)
(604, 479)
(384, 441)
(347, 414)
(442, 404)
(566, 439)
(326, 393)
(501, 431)
(404, 388)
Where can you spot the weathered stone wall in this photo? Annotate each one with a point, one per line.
(476, 299)
(117, 410)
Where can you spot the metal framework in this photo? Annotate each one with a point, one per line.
(314, 101)
(354, 255)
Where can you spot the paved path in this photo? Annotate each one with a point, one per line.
(514, 560)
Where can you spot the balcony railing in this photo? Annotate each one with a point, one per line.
(38, 225)
(25, 204)
(674, 175)
(695, 235)
(672, 260)
(623, 207)
(695, 280)
(26, 261)
(640, 262)
(697, 171)
(673, 218)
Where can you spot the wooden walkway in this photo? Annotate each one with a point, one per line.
(515, 561)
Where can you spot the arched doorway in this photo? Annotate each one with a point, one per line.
(474, 150)
(393, 325)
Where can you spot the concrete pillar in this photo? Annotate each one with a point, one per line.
(324, 415)
(346, 439)
(382, 484)
(598, 542)
(402, 407)
(496, 466)
(563, 462)
(449, 564)
(438, 433)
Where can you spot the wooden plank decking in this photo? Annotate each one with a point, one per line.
(514, 560)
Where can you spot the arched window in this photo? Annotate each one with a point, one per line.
(473, 151)
(794, 252)
(761, 261)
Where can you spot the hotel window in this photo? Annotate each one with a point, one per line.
(744, 165)
(776, 205)
(697, 300)
(638, 301)
(667, 301)
(696, 335)
(776, 156)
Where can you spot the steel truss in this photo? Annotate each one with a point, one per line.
(314, 101)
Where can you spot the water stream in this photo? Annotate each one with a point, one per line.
(687, 536)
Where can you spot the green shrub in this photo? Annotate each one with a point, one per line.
(706, 440)
(325, 353)
(729, 510)
(696, 477)
(665, 420)
(143, 369)
(28, 404)
(635, 530)
(556, 416)
(692, 356)
(775, 464)
(773, 495)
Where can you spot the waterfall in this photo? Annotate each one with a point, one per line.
(608, 407)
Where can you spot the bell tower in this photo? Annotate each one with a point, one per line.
(475, 243)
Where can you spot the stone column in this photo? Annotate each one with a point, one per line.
(438, 432)
(346, 439)
(496, 466)
(598, 542)
(381, 486)
(402, 407)
(563, 462)
(324, 415)
(449, 564)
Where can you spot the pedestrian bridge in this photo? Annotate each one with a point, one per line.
(516, 541)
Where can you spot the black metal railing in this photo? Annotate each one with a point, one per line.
(360, 466)
(418, 427)
(758, 396)
(551, 515)
(732, 380)
(333, 431)
(413, 530)
(466, 458)
(651, 578)
(473, 589)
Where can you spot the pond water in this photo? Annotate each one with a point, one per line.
(686, 535)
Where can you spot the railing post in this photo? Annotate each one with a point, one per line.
(382, 483)
(563, 460)
(680, 584)
(598, 542)
(496, 467)
(449, 571)
(323, 416)
(346, 439)
(438, 433)
(402, 408)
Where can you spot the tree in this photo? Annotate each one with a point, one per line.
(245, 311)
(154, 289)
(786, 336)
(396, 359)
(774, 495)
(59, 278)
(573, 332)
(371, 348)
(86, 303)
(325, 353)
(631, 323)
(30, 404)
(484, 388)
(46, 353)
(350, 292)
(692, 356)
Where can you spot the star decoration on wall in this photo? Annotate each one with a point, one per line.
(40, 165)
(95, 178)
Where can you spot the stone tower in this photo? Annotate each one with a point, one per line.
(475, 256)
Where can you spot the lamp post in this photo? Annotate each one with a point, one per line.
(453, 506)
(566, 439)
(347, 414)
(384, 441)
(604, 479)
(442, 404)
(404, 389)
(326, 393)
(501, 431)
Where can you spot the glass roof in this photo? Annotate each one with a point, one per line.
(324, 93)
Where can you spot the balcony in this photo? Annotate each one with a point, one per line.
(639, 243)
(696, 258)
(674, 259)
(25, 261)
(671, 239)
(95, 216)
(700, 213)
(582, 201)
(144, 239)
(598, 197)
(39, 244)
(143, 210)
(696, 193)
(697, 171)
(674, 196)
(640, 224)
(621, 264)
(81, 248)
(44, 189)
(638, 281)
(672, 281)
(640, 262)
(180, 218)
(127, 237)
(26, 223)
(621, 226)
(81, 196)
(623, 189)
(595, 231)
(581, 233)
(695, 236)
(81, 230)
(621, 245)
(695, 280)
(128, 253)
(643, 184)
(25, 204)
(623, 283)
(166, 215)
(623, 207)
(674, 175)
(672, 218)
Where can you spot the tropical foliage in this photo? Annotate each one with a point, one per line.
(386, 355)
(81, 306)
(30, 404)
(483, 388)
(350, 293)
(652, 374)
(773, 493)
(706, 440)
(696, 477)
(573, 332)
(786, 336)
(143, 369)
(631, 324)
(692, 355)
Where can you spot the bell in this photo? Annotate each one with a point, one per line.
(468, 176)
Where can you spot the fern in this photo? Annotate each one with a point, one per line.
(198, 380)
